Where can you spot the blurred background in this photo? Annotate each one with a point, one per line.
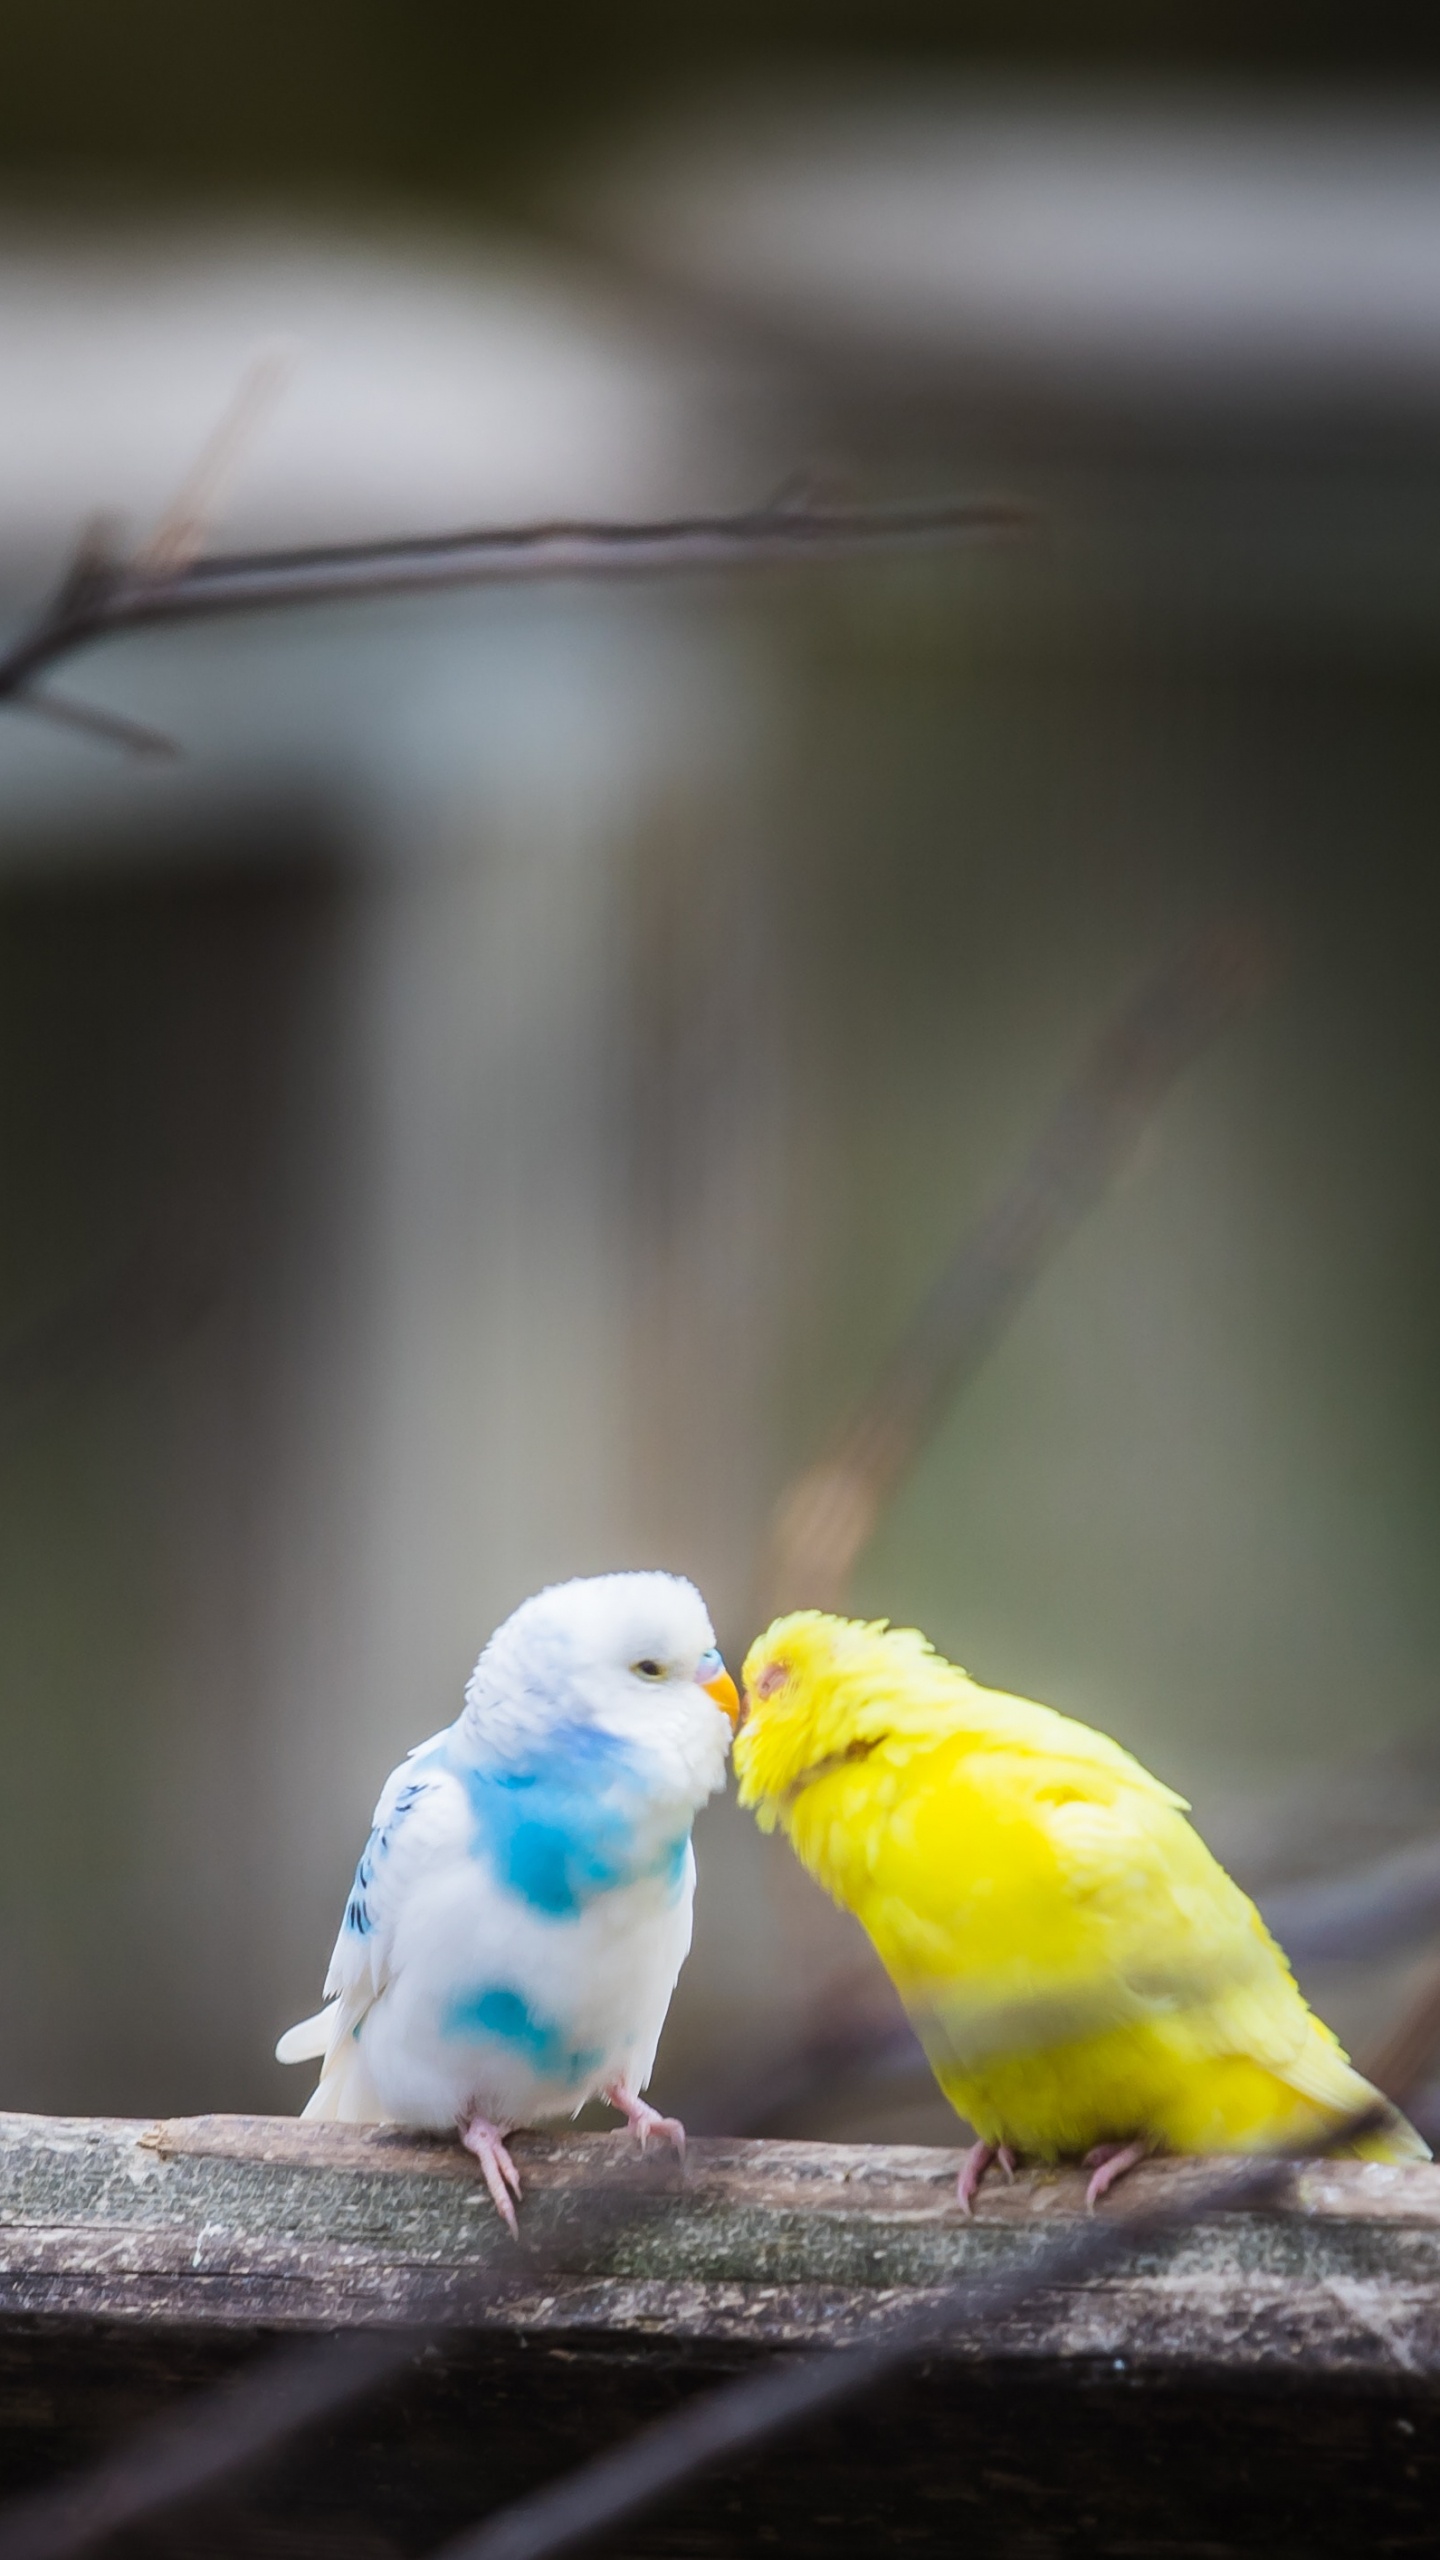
(486, 1111)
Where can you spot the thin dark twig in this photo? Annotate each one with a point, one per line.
(828, 1516)
(179, 538)
(1403, 2060)
(741, 2416)
(101, 595)
(1378, 1909)
(112, 728)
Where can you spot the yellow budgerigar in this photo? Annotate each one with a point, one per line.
(1084, 1976)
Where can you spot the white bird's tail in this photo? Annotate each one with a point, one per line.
(310, 2039)
(343, 2093)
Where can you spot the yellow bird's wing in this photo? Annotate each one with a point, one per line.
(1020, 1726)
(1024, 1900)
(923, 1700)
(1183, 1925)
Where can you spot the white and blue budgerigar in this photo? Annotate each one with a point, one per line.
(522, 1907)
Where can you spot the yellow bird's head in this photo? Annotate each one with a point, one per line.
(819, 1691)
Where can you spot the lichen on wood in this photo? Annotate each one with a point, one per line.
(245, 2221)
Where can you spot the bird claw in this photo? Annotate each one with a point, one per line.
(1111, 2161)
(967, 2185)
(980, 2157)
(643, 2120)
(487, 2144)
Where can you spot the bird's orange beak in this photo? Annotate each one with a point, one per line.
(721, 1687)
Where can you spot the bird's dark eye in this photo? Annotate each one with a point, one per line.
(649, 1670)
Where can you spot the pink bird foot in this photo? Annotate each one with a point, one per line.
(1111, 2161)
(487, 2142)
(643, 2119)
(977, 2160)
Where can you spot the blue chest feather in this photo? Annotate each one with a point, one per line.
(557, 1833)
(564, 1830)
(494, 2011)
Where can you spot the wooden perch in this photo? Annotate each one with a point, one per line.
(1266, 2381)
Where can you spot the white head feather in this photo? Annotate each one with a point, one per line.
(616, 1651)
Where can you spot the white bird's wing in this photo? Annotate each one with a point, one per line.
(421, 1809)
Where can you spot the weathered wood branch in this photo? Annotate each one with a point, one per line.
(1286, 2361)
(265, 2223)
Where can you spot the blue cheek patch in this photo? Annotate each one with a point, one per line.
(496, 2014)
(560, 1833)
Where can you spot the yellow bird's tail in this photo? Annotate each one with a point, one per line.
(1233, 2102)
